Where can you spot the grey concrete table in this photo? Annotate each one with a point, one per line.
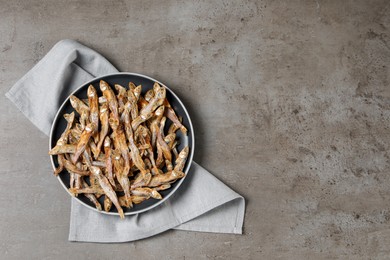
(291, 106)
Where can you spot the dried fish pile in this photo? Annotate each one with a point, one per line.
(117, 147)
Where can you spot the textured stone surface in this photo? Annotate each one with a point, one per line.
(291, 106)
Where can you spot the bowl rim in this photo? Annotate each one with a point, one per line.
(189, 159)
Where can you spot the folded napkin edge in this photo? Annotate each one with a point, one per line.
(209, 229)
(153, 232)
(211, 206)
(237, 229)
(22, 108)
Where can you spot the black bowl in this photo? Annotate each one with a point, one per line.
(123, 79)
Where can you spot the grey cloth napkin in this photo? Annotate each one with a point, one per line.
(202, 203)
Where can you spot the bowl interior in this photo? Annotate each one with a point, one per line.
(123, 79)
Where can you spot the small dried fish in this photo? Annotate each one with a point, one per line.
(131, 105)
(134, 152)
(102, 100)
(181, 159)
(111, 98)
(154, 125)
(69, 166)
(78, 105)
(141, 180)
(84, 138)
(93, 148)
(160, 140)
(147, 111)
(66, 148)
(160, 157)
(169, 165)
(170, 138)
(75, 133)
(146, 192)
(107, 151)
(87, 190)
(132, 86)
(125, 202)
(166, 178)
(63, 140)
(87, 157)
(141, 103)
(78, 179)
(60, 167)
(172, 129)
(170, 113)
(108, 190)
(92, 197)
(121, 175)
(149, 95)
(120, 143)
(163, 187)
(99, 164)
(148, 164)
(139, 199)
(137, 92)
(94, 110)
(81, 108)
(103, 113)
(107, 204)
(122, 97)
